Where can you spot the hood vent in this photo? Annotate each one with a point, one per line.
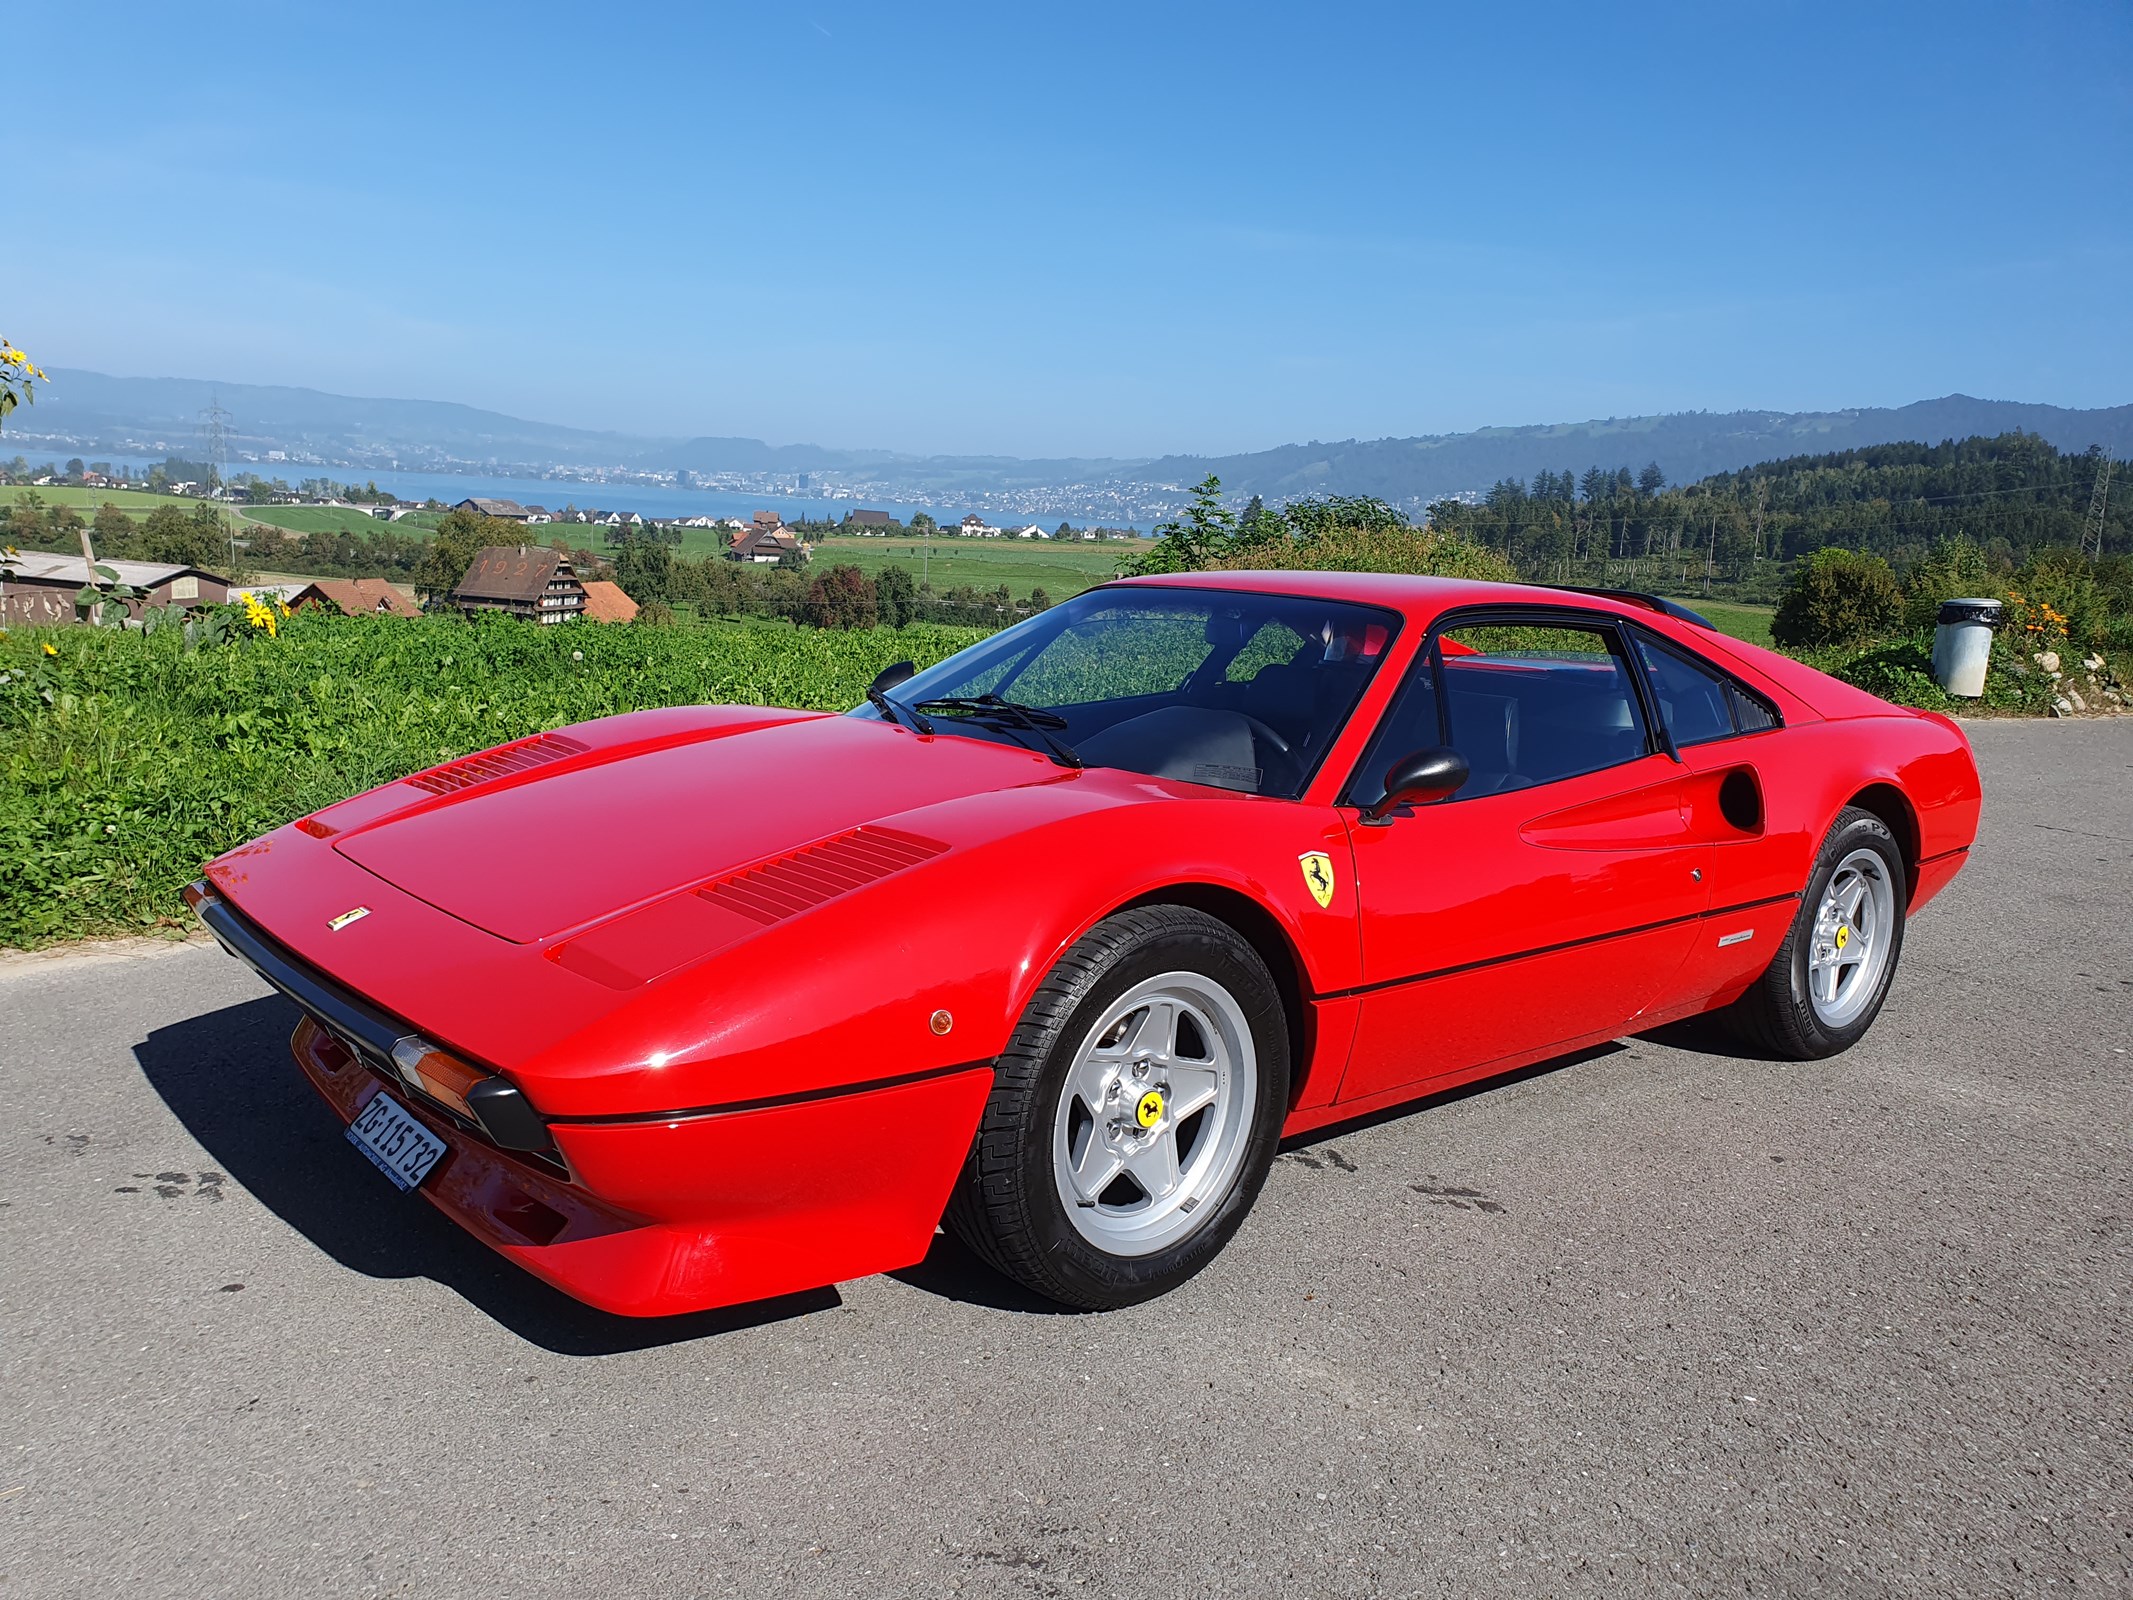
(786, 885)
(506, 759)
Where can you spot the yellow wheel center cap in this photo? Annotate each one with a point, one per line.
(1844, 937)
(1150, 1111)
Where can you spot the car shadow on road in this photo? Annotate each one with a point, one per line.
(228, 1077)
(1447, 1097)
(952, 1272)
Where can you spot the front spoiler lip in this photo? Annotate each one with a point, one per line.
(507, 1116)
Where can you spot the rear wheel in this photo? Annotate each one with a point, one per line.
(1133, 1115)
(1826, 984)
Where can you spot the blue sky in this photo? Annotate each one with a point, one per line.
(1079, 228)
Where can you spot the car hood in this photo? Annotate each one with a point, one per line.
(551, 851)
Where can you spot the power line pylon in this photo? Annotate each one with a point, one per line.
(215, 434)
(2099, 502)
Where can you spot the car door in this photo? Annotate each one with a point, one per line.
(1726, 735)
(1554, 897)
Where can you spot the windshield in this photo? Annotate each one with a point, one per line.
(1239, 691)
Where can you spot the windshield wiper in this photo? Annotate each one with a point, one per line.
(992, 711)
(889, 709)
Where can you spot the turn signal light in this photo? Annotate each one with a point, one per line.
(444, 1078)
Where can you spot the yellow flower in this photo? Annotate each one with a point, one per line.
(51, 650)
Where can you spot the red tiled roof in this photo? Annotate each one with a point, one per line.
(359, 597)
(606, 602)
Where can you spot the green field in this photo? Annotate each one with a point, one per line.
(132, 501)
(337, 519)
(1059, 569)
(1751, 623)
(297, 519)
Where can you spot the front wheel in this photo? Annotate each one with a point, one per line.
(1134, 1114)
(1826, 984)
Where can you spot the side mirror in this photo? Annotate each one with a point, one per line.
(890, 676)
(1421, 779)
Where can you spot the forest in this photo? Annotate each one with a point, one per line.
(2012, 496)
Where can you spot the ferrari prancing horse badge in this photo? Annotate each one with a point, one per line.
(1318, 875)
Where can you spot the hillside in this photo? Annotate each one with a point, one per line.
(83, 412)
(1686, 445)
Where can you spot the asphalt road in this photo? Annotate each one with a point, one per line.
(1657, 1319)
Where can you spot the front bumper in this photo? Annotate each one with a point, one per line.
(652, 1217)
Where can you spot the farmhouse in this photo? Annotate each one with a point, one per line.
(524, 580)
(869, 519)
(509, 510)
(39, 590)
(762, 545)
(976, 527)
(354, 597)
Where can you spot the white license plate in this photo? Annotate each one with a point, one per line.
(402, 1148)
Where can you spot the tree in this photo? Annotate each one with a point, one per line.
(183, 538)
(896, 597)
(922, 522)
(1204, 534)
(1039, 600)
(460, 536)
(1595, 485)
(113, 529)
(76, 469)
(1838, 596)
(841, 598)
(1651, 480)
(644, 568)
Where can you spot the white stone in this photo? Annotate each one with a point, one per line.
(2048, 660)
(2094, 663)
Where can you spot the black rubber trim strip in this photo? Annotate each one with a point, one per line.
(1554, 949)
(771, 1101)
(355, 1021)
(505, 1114)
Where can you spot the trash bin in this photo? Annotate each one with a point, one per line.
(1962, 645)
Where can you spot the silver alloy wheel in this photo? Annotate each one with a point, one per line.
(1854, 931)
(1155, 1114)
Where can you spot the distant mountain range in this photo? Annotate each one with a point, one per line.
(316, 433)
(1687, 445)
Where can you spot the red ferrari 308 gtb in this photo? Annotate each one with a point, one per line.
(1058, 938)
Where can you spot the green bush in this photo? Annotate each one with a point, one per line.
(1955, 569)
(1838, 597)
(126, 762)
(1391, 548)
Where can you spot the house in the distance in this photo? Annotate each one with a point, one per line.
(509, 510)
(354, 597)
(606, 602)
(39, 590)
(976, 527)
(526, 580)
(868, 519)
(763, 545)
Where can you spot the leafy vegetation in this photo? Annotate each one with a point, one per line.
(128, 759)
(2011, 497)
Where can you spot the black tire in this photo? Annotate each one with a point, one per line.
(1777, 1016)
(1006, 1206)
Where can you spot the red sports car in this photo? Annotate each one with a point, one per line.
(1058, 938)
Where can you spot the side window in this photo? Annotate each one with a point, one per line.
(1697, 703)
(1525, 704)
